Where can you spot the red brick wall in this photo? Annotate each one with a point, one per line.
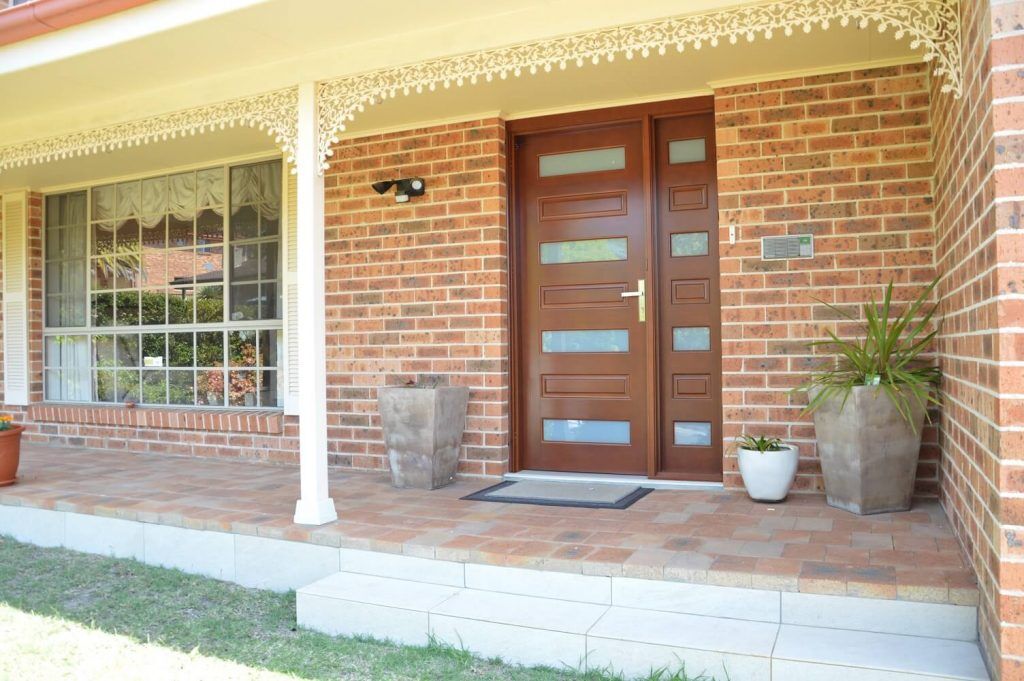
(964, 223)
(418, 288)
(979, 251)
(258, 436)
(845, 157)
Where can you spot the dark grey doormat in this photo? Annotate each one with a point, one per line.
(552, 493)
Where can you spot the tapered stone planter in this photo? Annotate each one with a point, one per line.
(868, 451)
(423, 433)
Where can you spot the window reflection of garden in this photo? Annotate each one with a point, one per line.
(158, 368)
(157, 259)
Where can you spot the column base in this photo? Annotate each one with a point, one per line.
(315, 511)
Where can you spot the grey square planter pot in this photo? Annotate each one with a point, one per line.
(868, 451)
(423, 433)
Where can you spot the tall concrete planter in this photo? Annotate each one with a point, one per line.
(868, 450)
(423, 432)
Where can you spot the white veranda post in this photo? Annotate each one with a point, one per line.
(315, 506)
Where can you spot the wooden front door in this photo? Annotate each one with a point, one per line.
(584, 246)
(615, 321)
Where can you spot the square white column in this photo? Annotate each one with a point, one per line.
(315, 506)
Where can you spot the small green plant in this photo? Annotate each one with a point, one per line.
(6, 422)
(760, 443)
(890, 355)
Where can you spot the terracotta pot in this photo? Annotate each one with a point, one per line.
(10, 454)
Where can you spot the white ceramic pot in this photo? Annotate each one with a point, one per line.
(768, 475)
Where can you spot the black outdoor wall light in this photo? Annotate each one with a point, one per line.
(410, 186)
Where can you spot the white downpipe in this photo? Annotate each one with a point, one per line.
(315, 506)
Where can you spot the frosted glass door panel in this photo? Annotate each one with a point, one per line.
(612, 340)
(587, 250)
(693, 433)
(686, 151)
(691, 339)
(587, 430)
(590, 161)
(691, 244)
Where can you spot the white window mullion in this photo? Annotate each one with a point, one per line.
(291, 296)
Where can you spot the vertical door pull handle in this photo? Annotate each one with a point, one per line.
(641, 295)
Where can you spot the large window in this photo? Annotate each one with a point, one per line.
(166, 290)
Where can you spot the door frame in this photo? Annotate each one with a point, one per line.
(646, 113)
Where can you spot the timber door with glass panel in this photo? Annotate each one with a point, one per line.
(617, 349)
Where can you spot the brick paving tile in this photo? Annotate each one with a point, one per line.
(778, 566)
(609, 555)
(683, 544)
(696, 536)
(751, 534)
(734, 564)
(690, 560)
(871, 540)
(802, 551)
(848, 555)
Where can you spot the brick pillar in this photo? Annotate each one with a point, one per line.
(979, 186)
(1005, 253)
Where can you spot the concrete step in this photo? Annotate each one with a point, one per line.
(647, 626)
(820, 654)
(938, 620)
(349, 604)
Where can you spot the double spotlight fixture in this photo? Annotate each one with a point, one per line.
(404, 189)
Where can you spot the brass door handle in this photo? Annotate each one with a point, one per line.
(641, 295)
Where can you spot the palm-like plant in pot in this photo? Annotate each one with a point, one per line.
(869, 407)
(768, 466)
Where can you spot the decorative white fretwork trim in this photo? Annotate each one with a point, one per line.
(930, 24)
(933, 25)
(274, 112)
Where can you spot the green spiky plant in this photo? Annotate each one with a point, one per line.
(760, 443)
(890, 355)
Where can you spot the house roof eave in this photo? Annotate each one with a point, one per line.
(36, 18)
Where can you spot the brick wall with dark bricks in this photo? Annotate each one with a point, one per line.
(845, 157)
(979, 187)
(418, 289)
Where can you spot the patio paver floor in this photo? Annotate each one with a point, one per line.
(713, 537)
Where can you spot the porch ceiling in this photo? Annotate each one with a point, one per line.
(262, 45)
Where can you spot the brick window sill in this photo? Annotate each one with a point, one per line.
(216, 420)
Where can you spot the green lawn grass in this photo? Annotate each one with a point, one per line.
(65, 614)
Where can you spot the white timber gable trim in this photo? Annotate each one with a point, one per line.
(15, 298)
